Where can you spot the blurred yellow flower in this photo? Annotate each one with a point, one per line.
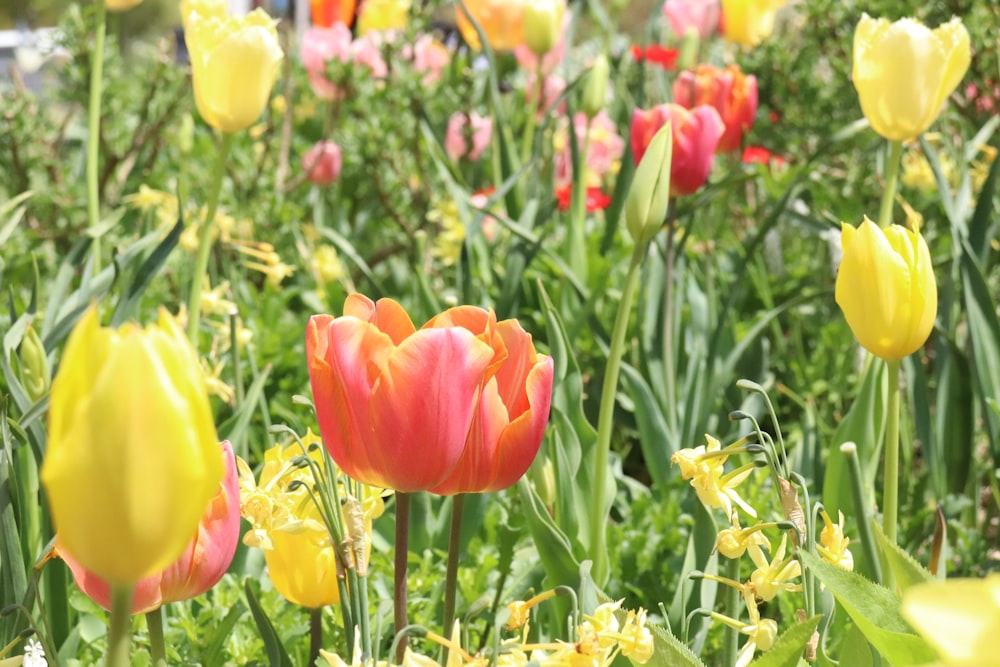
(133, 457)
(886, 288)
(121, 5)
(502, 22)
(234, 63)
(749, 22)
(326, 264)
(904, 72)
(959, 617)
(383, 15)
(542, 24)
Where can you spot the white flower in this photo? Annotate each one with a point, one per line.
(34, 655)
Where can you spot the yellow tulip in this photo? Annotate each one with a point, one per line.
(121, 5)
(749, 22)
(133, 458)
(543, 24)
(502, 21)
(886, 288)
(377, 15)
(203, 8)
(234, 62)
(904, 72)
(960, 618)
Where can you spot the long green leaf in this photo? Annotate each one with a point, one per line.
(905, 570)
(984, 332)
(276, 654)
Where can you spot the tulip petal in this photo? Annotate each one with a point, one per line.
(424, 403)
(387, 315)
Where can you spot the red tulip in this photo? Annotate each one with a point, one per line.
(327, 12)
(596, 199)
(659, 55)
(323, 163)
(199, 568)
(457, 406)
(732, 93)
(695, 135)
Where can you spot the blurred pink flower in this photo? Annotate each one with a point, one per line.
(702, 15)
(367, 51)
(320, 46)
(489, 224)
(430, 57)
(604, 150)
(528, 61)
(552, 87)
(323, 163)
(455, 144)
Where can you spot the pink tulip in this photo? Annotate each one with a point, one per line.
(695, 134)
(457, 406)
(699, 15)
(732, 93)
(201, 565)
(455, 144)
(322, 163)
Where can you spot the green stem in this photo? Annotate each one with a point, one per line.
(315, 634)
(119, 633)
(451, 573)
(399, 582)
(576, 243)
(157, 647)
(890, 500)
(669, 257)
(605, 421)
(850, 450)
(347, 613)
(205, 240)
(731, 636)
(366, 633)
(528, 139)
(94, 131)
(891, 178)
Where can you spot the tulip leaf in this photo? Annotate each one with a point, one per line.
(668, 651)
(276, 654)
(654, 435)
(905, 570)
(875, 610)
(982, 226)
(212, 654)
(984, 332)
(145, 274)
(790, 645)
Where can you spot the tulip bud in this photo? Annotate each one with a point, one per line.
(323, 163)
(185, 135)
(690, 44)
(121, 5)
(646, 206)
(36, 374)
(542, 24)
(132, 458)
(596, 91)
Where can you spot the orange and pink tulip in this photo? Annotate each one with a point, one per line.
(458, 406)
(204, 561)
(695, 134)
(732, 93)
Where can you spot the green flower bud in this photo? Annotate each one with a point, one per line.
(596, 89)
(36, 374)
(646, 206)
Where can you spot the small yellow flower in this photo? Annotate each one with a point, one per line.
(772, 577)
(886, 288)
(636, 641)
(326, 265)
(833, 543)
(279, 105)
(733, 541)
(715, 488)
(898, 105)
(761, 632)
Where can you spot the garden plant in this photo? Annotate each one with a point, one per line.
(503, 332)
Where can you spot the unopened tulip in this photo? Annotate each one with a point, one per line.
(595, 91)
(204, 561)
(749, 22)
(121, 5)
(132, 459)
(322, 163)
(698, 16)
(696, 134)
(381, 15)
(474, 425)
(502, 22)
(886, 288)
(904, 72)
(543, 24)
(234, 63)
(732, 93)
(649, 194)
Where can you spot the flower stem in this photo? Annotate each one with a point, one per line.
(399, 583)
(94, 131)
(731, 636)
(850, 450)
(205, 240)
(669, 257)
(119, 633)
(157, 647)
(890, 500)
(576, 243)
(891, 178)
(605, 421)
(315, 634)
(534, 110)
(451, 574)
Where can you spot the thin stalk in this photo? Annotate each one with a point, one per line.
(366, 633)
(119, 633)
(346, 612)
(576, 243)
(315, 634)
(528, 139)
(891, 178)
(605, 422)
(451, 573)
(205, 240)
(94, 130)
(850, 450)
(731, 636)
(669, 256)
(157, 647)
(399, 581)
(890, 500)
